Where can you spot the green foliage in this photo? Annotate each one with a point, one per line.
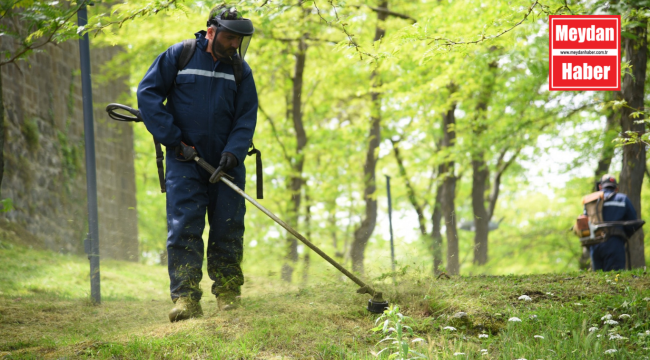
(7, 205)
(29, 129)
(34, 24)
(399, 336)
(434, 44)
(70, 155)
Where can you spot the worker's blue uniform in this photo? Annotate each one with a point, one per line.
(206, 109)
(610, 255)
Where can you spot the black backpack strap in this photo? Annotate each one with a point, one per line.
(258, 170)
(159, 162)
(237, 69)
(189, 47)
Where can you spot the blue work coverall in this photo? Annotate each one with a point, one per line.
(610, 255)
(206, 109)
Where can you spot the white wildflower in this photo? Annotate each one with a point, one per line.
(610, 351)
(617, 337)
(482, 336)
(577, 304)
(514, 319)
(460, 315)
(458, 353)
(418, 340)
(624, 316)
(483, 350)
(608, 281)
(598, 335)
(533, 317)
(611, 322)
(521, 359)
(593, 328)
(606, 317)
(450, 328)
(538, 337)
(525, 298)
(549, 293)
(646, 299)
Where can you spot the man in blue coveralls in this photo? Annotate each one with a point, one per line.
(209, 111)
(610, 255)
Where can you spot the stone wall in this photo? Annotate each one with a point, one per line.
(45, 160)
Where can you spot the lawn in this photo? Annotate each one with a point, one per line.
(45, 312)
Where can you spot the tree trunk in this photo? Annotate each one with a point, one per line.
(436, 236)
(449, 192)
(365, 230)
(2, 136)
(295, 183)
(634, 155)
(480, 174)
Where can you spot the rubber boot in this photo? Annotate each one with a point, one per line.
(228, 301)
(184, 309)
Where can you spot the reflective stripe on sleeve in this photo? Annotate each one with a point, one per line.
(206, 73)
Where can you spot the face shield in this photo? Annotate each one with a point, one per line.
(242, 27)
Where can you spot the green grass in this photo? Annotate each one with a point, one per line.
(45, 313)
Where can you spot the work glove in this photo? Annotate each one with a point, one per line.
(185, 152)
(227, 162)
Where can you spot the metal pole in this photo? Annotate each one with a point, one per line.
(390, 225)
(91, 175)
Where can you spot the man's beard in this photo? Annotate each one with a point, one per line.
(220, 50)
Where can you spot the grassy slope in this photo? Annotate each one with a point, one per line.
(45, 313)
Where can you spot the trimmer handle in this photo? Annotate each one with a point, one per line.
(112, 109)
(216, 174)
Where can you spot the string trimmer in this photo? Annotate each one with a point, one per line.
(376, 304)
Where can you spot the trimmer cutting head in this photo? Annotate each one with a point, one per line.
(377, 307)
(377, 304)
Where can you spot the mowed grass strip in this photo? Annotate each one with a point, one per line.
(45, 313)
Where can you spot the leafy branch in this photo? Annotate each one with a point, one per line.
(56, 25)
(95, 24)
(350, 37)
(449, 42)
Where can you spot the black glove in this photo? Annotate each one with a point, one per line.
(185, 152)
(227, 162)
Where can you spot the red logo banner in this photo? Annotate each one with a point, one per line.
(584, 52)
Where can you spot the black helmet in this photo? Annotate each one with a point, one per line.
(226, 18)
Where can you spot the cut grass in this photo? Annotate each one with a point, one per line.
(45, 313)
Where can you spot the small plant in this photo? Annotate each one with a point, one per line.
(398, 335)
(6, 205)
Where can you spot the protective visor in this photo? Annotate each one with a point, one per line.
(242, 27)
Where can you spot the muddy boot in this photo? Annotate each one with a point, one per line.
(184, 309)
(228, 301)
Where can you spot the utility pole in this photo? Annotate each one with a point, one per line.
(91, 243)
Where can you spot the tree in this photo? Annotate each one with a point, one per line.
(367, 226)
(481, 172)
(633, 91)
(448, 172)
